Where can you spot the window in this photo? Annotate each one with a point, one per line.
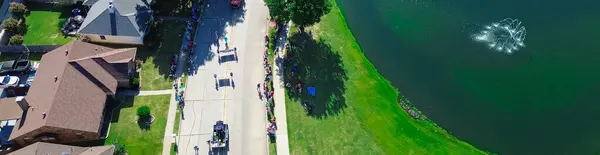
(103, 37)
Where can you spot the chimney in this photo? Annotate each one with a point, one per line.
(111, 8)
(66, 52)
(113, 19)
(44, 115)
(22, 102)
(55, 78)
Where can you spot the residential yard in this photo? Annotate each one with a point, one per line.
(43, 24)
(125, 130)
(355, 110)
(177, 8)
(163, 40)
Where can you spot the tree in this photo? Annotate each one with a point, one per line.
(308, 12)
(11, 25)
(143, 112)
(16, 40)
(17, 9)
(279, 10)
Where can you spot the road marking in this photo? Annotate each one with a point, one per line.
(229, 40)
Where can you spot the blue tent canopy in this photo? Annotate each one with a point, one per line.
(312, 91)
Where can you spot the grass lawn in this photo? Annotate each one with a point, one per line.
(177, 120)
(270, 59)
(173, 149)
(272, 148)
(125, 129)
(43, 25)
(164, 39)
(176, 130)
(355, 110)
(179, 8)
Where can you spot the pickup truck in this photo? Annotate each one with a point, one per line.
(236, 3)
(15, 66)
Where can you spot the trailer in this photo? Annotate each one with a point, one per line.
(219, 137)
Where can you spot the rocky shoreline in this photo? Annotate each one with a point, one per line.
(410, 109)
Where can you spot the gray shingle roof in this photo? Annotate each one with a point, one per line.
(130, 18)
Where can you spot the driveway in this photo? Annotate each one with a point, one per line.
(231, 96)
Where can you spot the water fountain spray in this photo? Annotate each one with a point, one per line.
(507, 35)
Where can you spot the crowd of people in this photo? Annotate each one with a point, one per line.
(189, 44)
(180, 90)
(267, 91)
(186, 47)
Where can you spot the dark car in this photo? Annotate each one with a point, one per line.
(15, 66)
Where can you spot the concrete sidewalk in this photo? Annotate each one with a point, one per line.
(144, 92)
(283, 147)
(168, 138)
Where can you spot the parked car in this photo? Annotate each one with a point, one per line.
(15, 66)
(9, 81)
(236, 3)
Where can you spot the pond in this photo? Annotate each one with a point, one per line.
(510, 77)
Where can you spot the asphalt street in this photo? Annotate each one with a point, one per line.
(224, 84)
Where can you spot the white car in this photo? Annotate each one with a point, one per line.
(8, 81)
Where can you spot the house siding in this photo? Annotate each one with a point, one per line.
(115, 39)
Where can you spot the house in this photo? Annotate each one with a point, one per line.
(42, 148)
(67, 98)
(117, 22)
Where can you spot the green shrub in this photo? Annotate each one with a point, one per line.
(143, 112)
(16, 40)
(17, 9)
(11, 25)
(135, 81)
(119, 149)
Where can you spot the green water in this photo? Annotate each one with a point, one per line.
(542, 99)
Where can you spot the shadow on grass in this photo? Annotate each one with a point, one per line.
(144, 123)
(320, 67)
(272, 139)
(114, 106)
(178, 8)
(163, 40)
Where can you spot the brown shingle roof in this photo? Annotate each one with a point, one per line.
(99, 150)
(9, 109)
(42, 148)
(70, 87)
